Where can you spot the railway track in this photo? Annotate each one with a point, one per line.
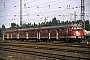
(49, 50)
(77, 45)
(52, 47)
(53, 55)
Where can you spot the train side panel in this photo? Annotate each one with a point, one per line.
(32, 34)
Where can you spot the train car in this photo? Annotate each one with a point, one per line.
(69, 33)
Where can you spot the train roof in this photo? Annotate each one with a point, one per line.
(46, 27)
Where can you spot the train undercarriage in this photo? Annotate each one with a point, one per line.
(69, 40)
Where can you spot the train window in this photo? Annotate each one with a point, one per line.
(46, 31)
(59, 29)
(32, 32)
(74, 28)
(80, 27)
(24, 32)
(69, 29)
(29, 32)
(62, 30)
(21, 32)
(52, 31)
(43, 31)
(14, 33)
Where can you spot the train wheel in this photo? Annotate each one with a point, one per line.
(45, 40)
(49, 40)
(36, 39)
(52, 40)
(72, 41)
(68, 40)
(79, 41)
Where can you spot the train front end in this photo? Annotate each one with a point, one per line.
(76, 33)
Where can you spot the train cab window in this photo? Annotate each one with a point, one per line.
(74, 29)
(62, 29)
(77, 29)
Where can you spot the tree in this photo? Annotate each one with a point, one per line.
(39, 24)
(3, 27)
(62, 22)
(66, 22)
(13, 25)
(54, 21)
(35, 25)
(87, 25)
(0, 32)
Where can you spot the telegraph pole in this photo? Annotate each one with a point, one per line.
(21, 13)
(45, 20)
(82, 13)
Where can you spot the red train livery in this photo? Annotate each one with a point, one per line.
(70, 33)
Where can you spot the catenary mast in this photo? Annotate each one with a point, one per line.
(21, 13)
(82, 14)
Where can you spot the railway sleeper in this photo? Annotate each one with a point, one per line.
(65, 50)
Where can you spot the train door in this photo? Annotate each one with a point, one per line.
(7, 35)
(52, 34)
(49, 34)
(26, 34)
(11, 35)
(18, 35)
(57, 34)
(3, 36)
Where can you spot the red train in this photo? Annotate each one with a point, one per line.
(70, 33)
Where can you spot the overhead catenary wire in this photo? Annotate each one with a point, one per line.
(51, 4)
(15, 6)
(43, 12)
(40, 7)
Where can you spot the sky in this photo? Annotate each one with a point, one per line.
(37, 10)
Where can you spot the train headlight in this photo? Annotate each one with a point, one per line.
(75, 28)
(77, 33)
(74, 34)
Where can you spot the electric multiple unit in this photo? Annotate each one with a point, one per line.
(70, 33)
